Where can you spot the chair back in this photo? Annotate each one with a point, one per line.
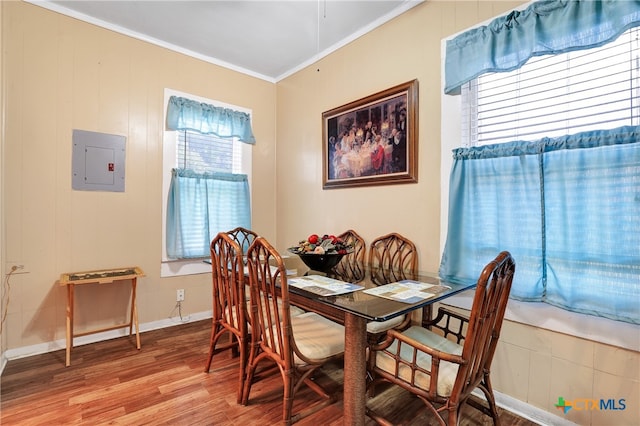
(317, 339)
(395, 255)
(243, 236)
(270, 308)
(430, 362)
(351, 266)
(227, 267)
(485, 323)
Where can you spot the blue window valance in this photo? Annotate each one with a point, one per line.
(187, 114)
(545, 27)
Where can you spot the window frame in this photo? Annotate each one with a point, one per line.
(173, 267)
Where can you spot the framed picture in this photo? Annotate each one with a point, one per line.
(372, 141)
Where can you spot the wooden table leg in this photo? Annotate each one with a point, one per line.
(427, 315)
(355, 370)
(134, 313)
(69, 323)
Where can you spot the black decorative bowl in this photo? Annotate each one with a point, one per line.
(318, 262)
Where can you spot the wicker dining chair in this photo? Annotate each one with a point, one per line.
(229, 302)
(299, 345)
(243, 236)
(392, 257)
(351, 266)
(393, 254)
(230, 317)
(444, 364)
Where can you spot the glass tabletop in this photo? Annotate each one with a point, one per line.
(378, 294)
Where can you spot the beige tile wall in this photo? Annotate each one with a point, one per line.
(538, 366)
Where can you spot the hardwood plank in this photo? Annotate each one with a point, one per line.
(111, 382)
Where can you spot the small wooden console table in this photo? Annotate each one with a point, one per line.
(103, 276)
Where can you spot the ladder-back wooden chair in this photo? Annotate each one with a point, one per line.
(444, 364)
(229, 302)
(392, 257)
(351, 266)
(298, 345)
(229, 317)
(243, 236)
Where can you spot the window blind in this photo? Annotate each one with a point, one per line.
(556, 95)
(207, 153)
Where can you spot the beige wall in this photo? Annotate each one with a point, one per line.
(60, 74)
(3, 335)
(63, 74)
(532, 365)
(404, 49)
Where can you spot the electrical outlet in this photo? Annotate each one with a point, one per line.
(180, 295)
(16, 268)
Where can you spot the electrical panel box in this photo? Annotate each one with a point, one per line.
(98, 161)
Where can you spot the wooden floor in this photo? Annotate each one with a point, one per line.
(164, 384)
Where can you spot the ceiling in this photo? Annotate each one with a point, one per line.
(267, 39)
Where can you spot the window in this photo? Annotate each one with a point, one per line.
(555, 95)
(554, 164)
(200, 153)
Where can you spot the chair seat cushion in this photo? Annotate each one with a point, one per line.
(376, 327)
(316, 336)
(447, 373)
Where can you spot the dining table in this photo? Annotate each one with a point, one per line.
(375, 294)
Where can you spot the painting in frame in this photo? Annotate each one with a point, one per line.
(372, 141)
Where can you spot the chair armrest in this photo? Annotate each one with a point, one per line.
(436, 355)
(449, 323)
(415, 354)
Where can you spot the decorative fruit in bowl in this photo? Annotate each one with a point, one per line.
(321, 253)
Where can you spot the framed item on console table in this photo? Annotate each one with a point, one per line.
(372, 141)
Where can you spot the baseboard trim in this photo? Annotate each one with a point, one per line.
(529, 412)
(3, 362)
(59, 344)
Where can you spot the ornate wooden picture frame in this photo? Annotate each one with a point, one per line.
(372, 141)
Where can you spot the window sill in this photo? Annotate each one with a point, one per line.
(551, 318)
(174, 268)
